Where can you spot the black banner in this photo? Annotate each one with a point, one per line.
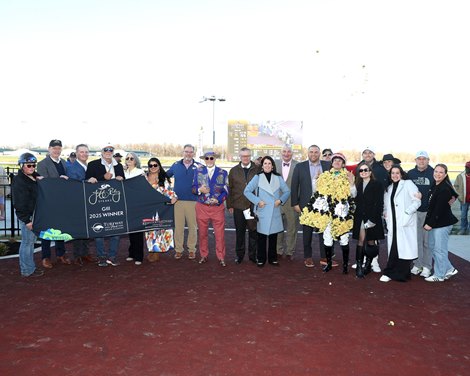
(67, 209)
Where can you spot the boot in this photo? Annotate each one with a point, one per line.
(345, 249)
(328, 254)
(368, 265)
(359, 261)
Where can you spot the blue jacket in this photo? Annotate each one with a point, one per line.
(218, 184)
(269, 217)
(183, 179)
(75, 171)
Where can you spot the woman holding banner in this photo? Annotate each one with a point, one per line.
(136, 239)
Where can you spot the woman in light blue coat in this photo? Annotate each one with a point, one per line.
(267, 191)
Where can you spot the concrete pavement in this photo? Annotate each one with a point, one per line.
(459, 245)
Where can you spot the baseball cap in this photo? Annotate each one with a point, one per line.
(422, 153)
(55, 143)
(370, 148)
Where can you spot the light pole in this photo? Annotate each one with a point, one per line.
(212, 99)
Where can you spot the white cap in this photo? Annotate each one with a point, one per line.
(422, 153)
(370, 148)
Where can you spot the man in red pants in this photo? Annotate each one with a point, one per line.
(210, 184)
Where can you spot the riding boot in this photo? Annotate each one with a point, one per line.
(359, 261)
(328, 254)
(368, 265)
(345, 249)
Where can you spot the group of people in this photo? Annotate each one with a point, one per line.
(268, 199)
(77, 168)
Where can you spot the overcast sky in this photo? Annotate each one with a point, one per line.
(394, 74)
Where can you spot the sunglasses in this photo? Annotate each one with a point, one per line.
(327, 155)
(153, 165)
(129, 158)
(209, 158)
(33, 165)
(108, 149)
(364, 170)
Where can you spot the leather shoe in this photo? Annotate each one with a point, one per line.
(64, 260)
(308, 262)
(238, 260)
(47, 263)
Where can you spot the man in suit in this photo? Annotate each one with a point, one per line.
(53, 167)
(286, 242)
(77, 171)
(302, 189)
(103, 169)
(238, 178)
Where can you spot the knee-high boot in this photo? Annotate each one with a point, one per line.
(359, 261)
(345, 249)
(328, 254)
(368, 265)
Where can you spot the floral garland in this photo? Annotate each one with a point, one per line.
(334, 184)
(331, 204)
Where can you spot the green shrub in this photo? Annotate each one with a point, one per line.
(3, 249)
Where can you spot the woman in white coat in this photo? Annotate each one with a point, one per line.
(401, 201)
(267, 191)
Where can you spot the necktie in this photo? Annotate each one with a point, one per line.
(286, 164)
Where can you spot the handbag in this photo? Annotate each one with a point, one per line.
(253, 207)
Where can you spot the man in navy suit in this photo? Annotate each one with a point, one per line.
(302, 189)
(76, 170)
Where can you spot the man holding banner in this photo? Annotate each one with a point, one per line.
(104, 169)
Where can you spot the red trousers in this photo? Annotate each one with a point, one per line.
(216, 215)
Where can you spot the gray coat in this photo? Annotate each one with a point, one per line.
(47, 169)
(259, 189)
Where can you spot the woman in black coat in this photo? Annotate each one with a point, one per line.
(439, 222)
(368, 225)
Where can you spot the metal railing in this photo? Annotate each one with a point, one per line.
(9, 225)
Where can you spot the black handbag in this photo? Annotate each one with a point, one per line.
(253, 208)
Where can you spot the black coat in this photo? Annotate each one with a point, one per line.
(369, 207)
(24, 194)
(95, 169)
(439, 212)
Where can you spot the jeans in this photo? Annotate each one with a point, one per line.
(27, 265)
(46, 248)
(113, 247)
(438, 243)
(464, 216)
